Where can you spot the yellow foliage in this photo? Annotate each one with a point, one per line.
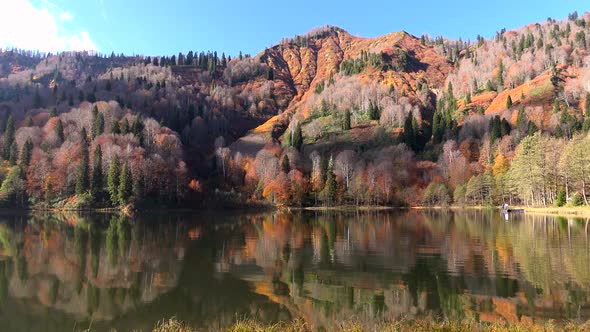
(500, 165)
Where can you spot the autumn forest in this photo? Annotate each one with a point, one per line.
(320, 119)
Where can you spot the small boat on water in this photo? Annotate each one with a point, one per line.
(506, 209)
(513, 211)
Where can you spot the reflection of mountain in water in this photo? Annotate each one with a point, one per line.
(66, 272)
(329, 267)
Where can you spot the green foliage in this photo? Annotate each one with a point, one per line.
(125, 190)
(459, 194)
(331, 185)
(436, 194)
(297, 140)
(137, 128)
(508, 102)
(285, 164)
(59, 131)
(410, 132)
(13, 187)
(587, 104)
(115, 128)
(97, 122)
(561, 199)
(27, 152)
(319, 88)
(82, 178)
(113, 180)
(12, 159)
(96, 182)
(346, 122)
(374, 111)
(578, 200)
(356, 66)
(521, 119)
(29, 121)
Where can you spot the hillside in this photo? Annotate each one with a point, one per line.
(302, 68)
(321, 118)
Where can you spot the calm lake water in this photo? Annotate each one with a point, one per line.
(67, 272)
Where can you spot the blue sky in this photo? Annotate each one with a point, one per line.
(166, 27)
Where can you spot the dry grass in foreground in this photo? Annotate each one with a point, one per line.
(402, 325)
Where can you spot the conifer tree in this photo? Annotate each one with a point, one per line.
(297, 140)
(115, 129)
(82, 182)
(137, 128)
(587, 104)
(508, 102)
(13, 154)
(27, 152)
(125, 185)
(59, 131)
(346, 125)
(113, 180)
(409, 136)
(124, 129)
(29, 121)
(96, 181)
(331, 185)
(285, 165)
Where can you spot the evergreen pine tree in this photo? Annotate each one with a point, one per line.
(82, 181)
(29, 121)
(125, 185)
(500, 76)
(53, 113)
(98, 126)
(59, 131)
(96, 181)
(297, 140)
(521, 118)
(285, 165)
(113, 180)
(556, 106)
(508, 102)
(346, 125)
(115, 129)
(587, 104)
(13, 154)
(27, 152)
(437, 127)
(124, 127)
(409, 136)
(331, 182)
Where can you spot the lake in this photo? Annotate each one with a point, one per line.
(68, 272)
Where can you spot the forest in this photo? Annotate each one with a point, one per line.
(396, 120)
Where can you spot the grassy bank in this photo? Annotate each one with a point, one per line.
(573, 212)
(398, 325)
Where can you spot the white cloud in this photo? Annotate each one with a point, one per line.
(25, 26)
(66, 16)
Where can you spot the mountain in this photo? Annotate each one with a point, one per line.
(321, 118)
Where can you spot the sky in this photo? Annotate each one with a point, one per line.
(156, 27)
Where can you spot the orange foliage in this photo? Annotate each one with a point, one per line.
(278, 189)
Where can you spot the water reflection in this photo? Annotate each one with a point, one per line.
(70, 271)
(328, 267)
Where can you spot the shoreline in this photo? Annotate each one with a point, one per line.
(572, 212)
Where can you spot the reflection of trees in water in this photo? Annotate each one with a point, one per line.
(450, 264)
(58, 265)
(61, 271)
